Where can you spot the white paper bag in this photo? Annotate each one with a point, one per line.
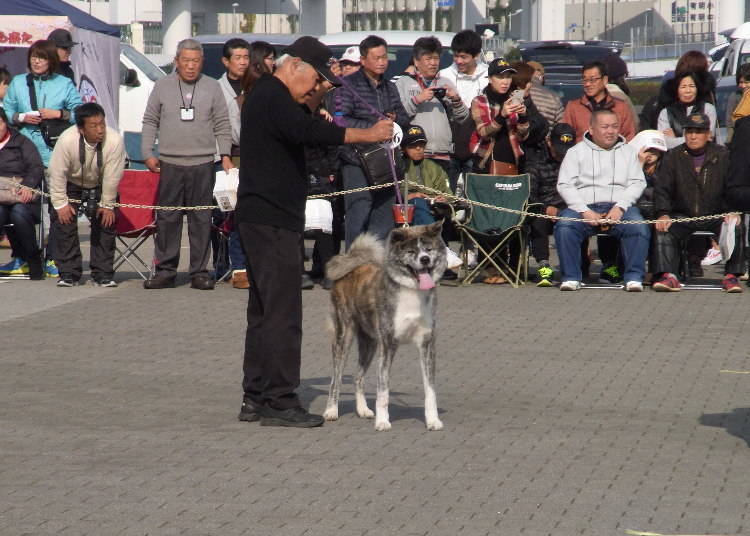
(726, 240)
(319, 215)
(225, 189)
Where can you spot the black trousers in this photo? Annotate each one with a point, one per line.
(22, 235)
(273, 341)
(665, 247)
(68, 247)
(540, 230)
(184, 186)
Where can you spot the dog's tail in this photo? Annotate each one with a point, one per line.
(366, 249)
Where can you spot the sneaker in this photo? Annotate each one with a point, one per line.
(731, 284)
(67, 282)
(633, 286)
(250, 411)
(292, 417)
(17, 266)
(454, 261)
(50, 268)
(544, 274)
(471, 258)
(667, 283)
(610, 274)
(104, 283)
(712, 257)
(570, 285)
(745, 276)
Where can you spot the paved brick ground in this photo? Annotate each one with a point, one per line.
(583, 413)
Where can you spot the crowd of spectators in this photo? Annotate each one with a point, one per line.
(593, 158)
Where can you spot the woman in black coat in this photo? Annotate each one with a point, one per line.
(19, 158)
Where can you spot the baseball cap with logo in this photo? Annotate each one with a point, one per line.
(414, 134)
(499, 66)
(698, 121)
(312, 51)
(562, 137)
(649, 139)
(351, 55)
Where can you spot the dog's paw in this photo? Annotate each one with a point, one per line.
(434, 425)
(382, 426)
(331, 414)
(365, 412)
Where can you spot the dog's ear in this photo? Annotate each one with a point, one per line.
(436, 228)
(399, 234)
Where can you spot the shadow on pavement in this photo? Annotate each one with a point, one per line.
(736, 422)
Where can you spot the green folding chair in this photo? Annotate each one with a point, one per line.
(492, 231)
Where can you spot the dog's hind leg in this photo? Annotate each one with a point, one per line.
(342, 341)
(367, 347)
(386, 351)
(427, 360)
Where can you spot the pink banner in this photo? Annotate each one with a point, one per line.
(22, 30)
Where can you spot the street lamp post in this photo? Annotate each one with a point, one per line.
(234, 17)
(510, 19)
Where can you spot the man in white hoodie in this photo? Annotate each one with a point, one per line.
(601, 179)
(468, 74)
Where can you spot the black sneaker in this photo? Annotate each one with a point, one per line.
(250, 411)
(307, 282)
(66, 281)
(449, 275)
(105, 283)
(292, 417)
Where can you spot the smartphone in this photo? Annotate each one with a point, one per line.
(517, 96)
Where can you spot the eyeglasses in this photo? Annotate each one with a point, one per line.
(587, 81)
(40, 60)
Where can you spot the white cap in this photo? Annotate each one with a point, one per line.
(351, 54)
(649, 139)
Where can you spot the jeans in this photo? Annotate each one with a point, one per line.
(422, 213)
(634, 242)
(366, 212)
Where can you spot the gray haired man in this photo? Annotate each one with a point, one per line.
(188, 114)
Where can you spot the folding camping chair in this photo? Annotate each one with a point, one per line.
(133, 226)
(491, 231)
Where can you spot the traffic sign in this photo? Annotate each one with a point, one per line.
(445, 3)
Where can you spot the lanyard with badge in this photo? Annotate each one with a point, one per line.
(187, 113)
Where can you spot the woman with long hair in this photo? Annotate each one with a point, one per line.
(262, 58)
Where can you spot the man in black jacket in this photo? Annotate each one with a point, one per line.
(692, 182)
(271, 218)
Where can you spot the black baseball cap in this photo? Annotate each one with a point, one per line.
(500, 66)
(562, 137)
(61, 38)
(700, 121)
(312, 51)
(414, 134)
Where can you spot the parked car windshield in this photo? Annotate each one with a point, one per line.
(143, 63)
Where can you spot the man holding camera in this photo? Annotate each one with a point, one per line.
(432, 101)
(86, 164)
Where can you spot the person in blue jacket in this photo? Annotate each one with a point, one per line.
(56, 96)
(56, 99)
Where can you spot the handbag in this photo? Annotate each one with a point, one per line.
(51, 129)
(375, 163)
(9, 190)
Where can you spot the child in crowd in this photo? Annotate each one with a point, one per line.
(544, 195)
(422, 171)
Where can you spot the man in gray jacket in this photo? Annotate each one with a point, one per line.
(601, 179)
(432, 101)
(188, 113)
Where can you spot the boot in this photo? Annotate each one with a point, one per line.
(36, 266)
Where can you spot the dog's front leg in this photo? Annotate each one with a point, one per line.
(385, 358)
(427, 360)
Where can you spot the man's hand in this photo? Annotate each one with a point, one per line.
(732, 218)
(66, 214)
(47, 113)
(382, 131)
(416, 195)
(427, 94)
(106, 216)
(614, 214)
(152, 163)
(642, 155)
(452, 94)
(663, 225)
(226, 163)
(551, 210)
(669, 132)
(595, 217)
(25, 195)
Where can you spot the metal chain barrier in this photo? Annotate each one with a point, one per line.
(417, 186)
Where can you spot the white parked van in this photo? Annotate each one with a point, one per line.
(138, 75)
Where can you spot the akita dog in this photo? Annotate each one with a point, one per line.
(385, 295)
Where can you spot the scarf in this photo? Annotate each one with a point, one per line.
(496, 101)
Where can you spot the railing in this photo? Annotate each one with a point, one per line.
(663, 52)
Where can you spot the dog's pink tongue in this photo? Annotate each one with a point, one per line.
(425, 281)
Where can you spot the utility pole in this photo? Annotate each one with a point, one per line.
(583, 24)
(605, 19)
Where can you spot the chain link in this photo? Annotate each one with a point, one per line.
(415, 185)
